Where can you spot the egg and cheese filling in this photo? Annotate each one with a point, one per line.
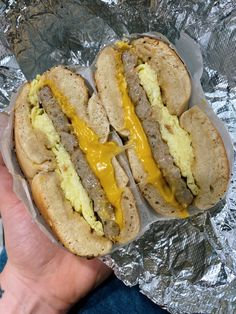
(138, 138)
(99, 155)
(177, 139)
(70, 182)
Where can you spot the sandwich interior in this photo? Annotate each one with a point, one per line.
(153, 89)
(81, 157)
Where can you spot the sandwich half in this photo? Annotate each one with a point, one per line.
(62, 144)
(176, 155)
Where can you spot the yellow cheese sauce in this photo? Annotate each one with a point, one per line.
(70, 181)
(177, 139)
(123, 46)
(141, 145)
(98, 155)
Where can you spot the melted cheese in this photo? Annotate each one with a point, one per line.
(123, 46)
(140, 143)
(177, 139)
(70, 182)
(99, 155)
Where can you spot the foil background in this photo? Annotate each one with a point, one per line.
(185, 266)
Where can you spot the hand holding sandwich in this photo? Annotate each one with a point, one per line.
(64, 147)
(39, 276)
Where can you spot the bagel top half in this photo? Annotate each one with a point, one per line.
(177, 157)
(62, 145)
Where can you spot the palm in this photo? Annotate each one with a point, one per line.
(36, 258)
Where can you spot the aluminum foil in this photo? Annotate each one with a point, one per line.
(186, 266)
(11, 77)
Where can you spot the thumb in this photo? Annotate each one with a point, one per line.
(9, 200)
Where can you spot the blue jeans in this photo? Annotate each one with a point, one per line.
(110, 297)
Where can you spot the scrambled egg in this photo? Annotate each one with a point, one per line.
(35, 85)
(99, 155)
(178, 140)
(70, 181)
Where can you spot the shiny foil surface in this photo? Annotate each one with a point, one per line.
(186, 266)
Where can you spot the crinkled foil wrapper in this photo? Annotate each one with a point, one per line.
(185, 266)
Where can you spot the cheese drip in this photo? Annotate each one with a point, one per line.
(70, 182)
(99, 155)
(138, 138)
(177, 139)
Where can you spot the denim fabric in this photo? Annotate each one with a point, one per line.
(3, 259)
(112, 297)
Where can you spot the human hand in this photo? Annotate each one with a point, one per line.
(40, 277)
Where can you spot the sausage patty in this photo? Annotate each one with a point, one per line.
(89, 181)
(159, 148)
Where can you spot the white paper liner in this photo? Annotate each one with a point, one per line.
(190, 53)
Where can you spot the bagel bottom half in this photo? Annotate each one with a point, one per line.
(70, 228)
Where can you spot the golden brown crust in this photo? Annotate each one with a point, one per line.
(172, 75)
(70, 228)
(211, 166)
(72, 86)
(136, 166)
(108, 88)
(131, 219)
(98, 119)
(30, 149)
